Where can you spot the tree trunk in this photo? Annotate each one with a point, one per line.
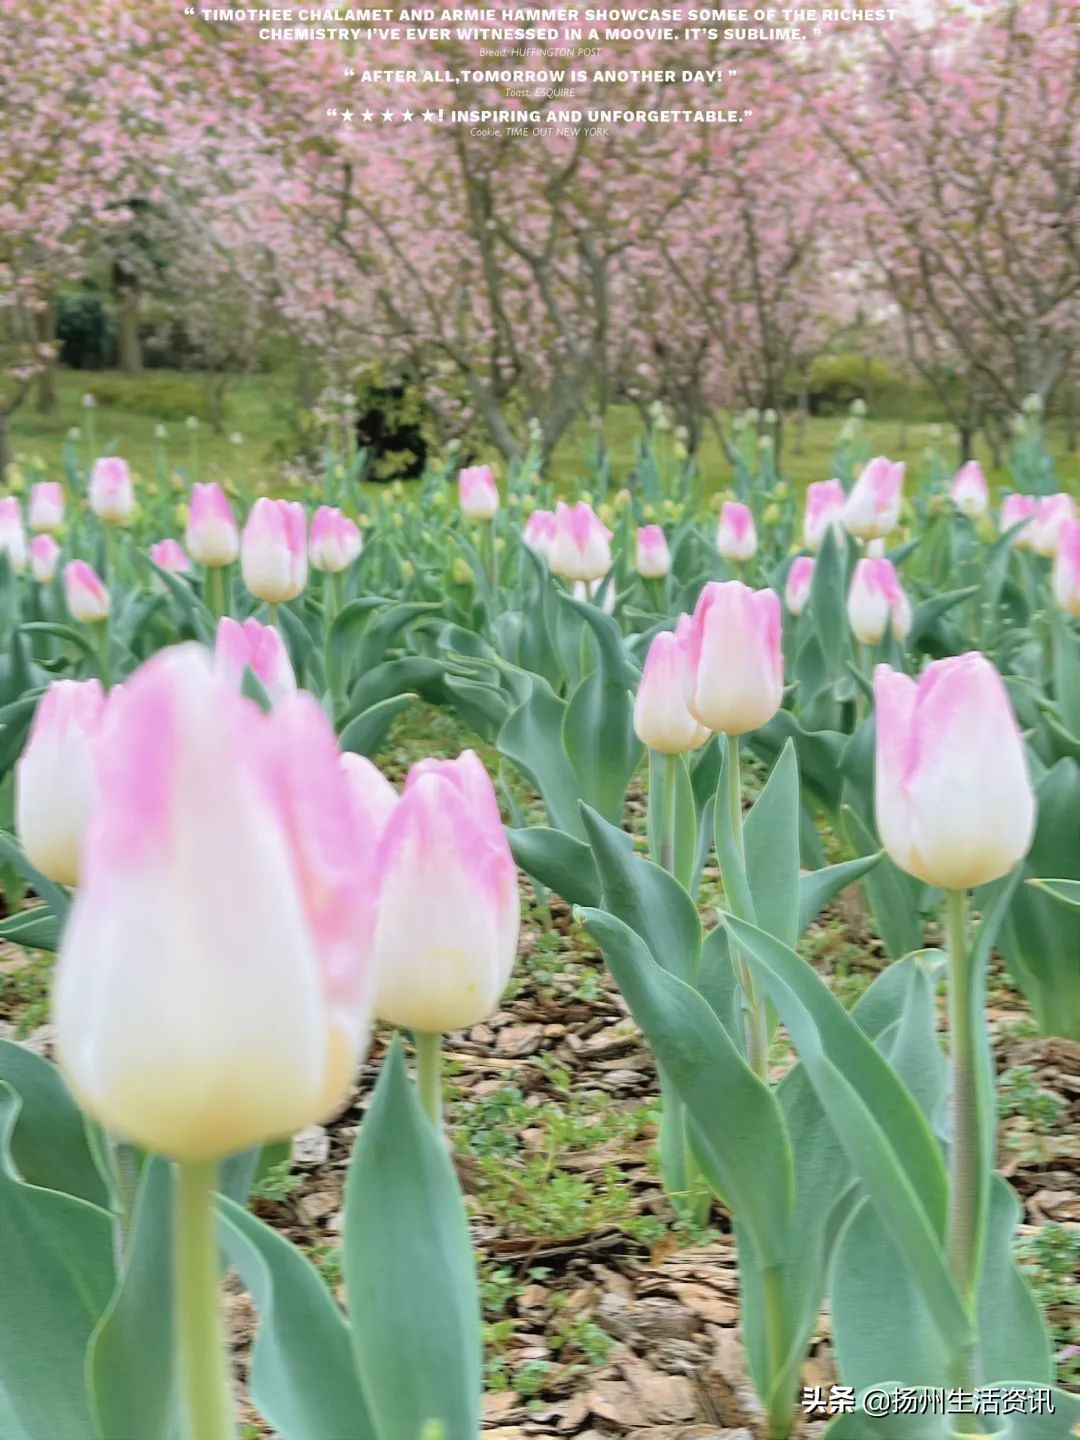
(128, 344)
(45, 325)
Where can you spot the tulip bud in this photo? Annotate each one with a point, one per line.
(735, 661)
(653, 556)
(1051, 513)
(54, 785)
(259, 648)
(873, 507)
(87, 599)
(12, 534)
(539, 532)
(478, 493)
(169, 555)
(954, 802)
(376, 797)
(44, 554)
(799, 578)
(661, 718)
(825, 501)
(112, 495)
(448, 910)
(736, 538)
(335, 540)
(273, 550)
(211, 535)
(212, 991)
(46, 506)
(1016, 510)
(876, 602)
(582, 546)
(968, 490)
(1067, 568)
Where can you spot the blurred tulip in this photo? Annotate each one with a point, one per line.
(44, 555)
(169, 555)
(1014, 510)
(799, 578)
(953, 798)
(653, 556)
(968, 490)
(661, 718)
(873, 507)
(448, 909)
(213, 984)
(736, 538)
(589, 590)
(12, 534)
(111, 494)
(87, 599)
(54, 782)
(478, 493)
(1051, 513)
(1067, 568)
(334, 542)
(211, 535)
(260, 648)
(539, 532)
(46, 506)
(273, 550)
(582, 546)
(735, 662)
(374, 795)
(877, 602)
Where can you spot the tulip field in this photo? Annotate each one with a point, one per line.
(477, 957)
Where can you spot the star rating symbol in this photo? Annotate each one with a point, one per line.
(346, 116)
(429, 115)
(387, 116)
(367, 117)
(406, 115)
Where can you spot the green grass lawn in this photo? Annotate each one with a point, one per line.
(262, 412)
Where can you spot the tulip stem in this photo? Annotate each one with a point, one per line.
(757, 1035)
(966, 1147)
(103, 652)
(667, 817)
(429, 1073)
(203, 1369)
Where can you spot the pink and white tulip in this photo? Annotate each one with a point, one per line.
(1052, 512)
(799, 579)
(539, 532)
(969, 491)
(371, 791)
(477, 492)
(736, 537)
(86, 596)
(653, 555)
(334, 542)
(169, 555)
(214, 979)
(952, 793)
(825, 501)
(44, 557)
(46, 506)
(112, 494)
(273, 550)
(582, 545)
(448, 909)
(260, 648)
(872, 509)
(1017, 510)
(54, 778)
(877, 602)
(1066, 579)
(12, 534)
(736, 666)
(211, 536)
(662, 720)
